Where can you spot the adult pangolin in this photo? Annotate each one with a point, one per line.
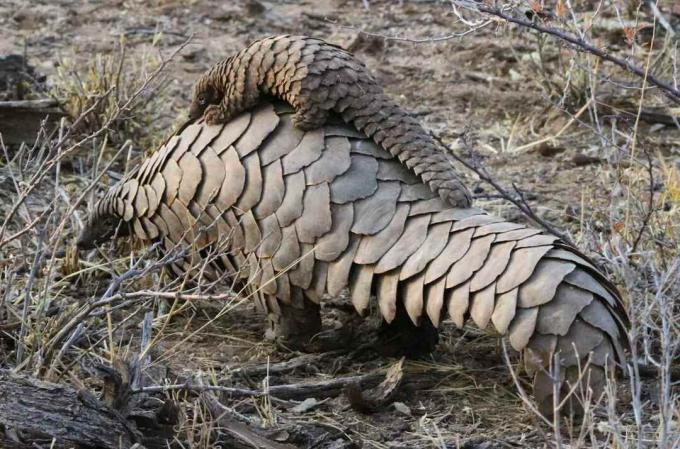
(317, 78)
(297, 215)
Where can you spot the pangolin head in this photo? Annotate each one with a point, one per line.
(204, 95)
(97, 230)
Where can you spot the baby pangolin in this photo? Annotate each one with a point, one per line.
(317, 78)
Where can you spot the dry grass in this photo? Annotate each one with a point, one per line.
(62, 315)
(104, 83)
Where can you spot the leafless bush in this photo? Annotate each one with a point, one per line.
(93, 91)
(639, 243)
(44, 212)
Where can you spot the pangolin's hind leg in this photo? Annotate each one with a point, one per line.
(231, 104)
(403, 338)
(309, 117)
(580, 385)
(293, 324)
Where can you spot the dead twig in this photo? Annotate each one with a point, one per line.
(650, 204)
(108, 297)
(323, 388)
(660, 17)
(27, 296)
(239, 430)
(301, 361)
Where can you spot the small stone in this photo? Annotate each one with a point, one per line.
(305, 405)
(402, 408)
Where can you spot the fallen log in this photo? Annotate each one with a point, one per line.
(36, 412)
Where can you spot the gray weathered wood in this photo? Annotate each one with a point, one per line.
(40, 411)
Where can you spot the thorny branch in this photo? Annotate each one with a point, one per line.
(518, 199)
(580, 44)
(650, 204)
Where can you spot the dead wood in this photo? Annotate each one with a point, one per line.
(376, 398)
(242, 435)
(302, 361)
(369, 382)
(319, 389)
(32, 411)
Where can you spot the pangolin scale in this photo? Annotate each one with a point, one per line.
(317, 78)
(300, 214)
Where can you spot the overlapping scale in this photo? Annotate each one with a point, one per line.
(309, 214)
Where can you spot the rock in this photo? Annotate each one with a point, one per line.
(580, 160)
(547, 149)
(20, 121)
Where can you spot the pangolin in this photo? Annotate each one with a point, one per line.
(301, 214)
(317, 78)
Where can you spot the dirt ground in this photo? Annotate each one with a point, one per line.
(482, 82)
(485, 85)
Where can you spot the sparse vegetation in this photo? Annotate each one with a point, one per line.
(592, 150)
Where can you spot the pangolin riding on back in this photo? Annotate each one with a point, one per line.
(317, 78)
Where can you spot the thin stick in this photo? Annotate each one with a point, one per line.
(572, 119)
(650, 204)
(27, 296)
(319, 388)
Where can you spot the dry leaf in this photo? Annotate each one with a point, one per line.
(305, 405)
(618, 226)
(536, 6)
(402, 408)
(373, 399)
(630, 34)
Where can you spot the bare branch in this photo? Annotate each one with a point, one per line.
(518, 200)
(580, 44)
